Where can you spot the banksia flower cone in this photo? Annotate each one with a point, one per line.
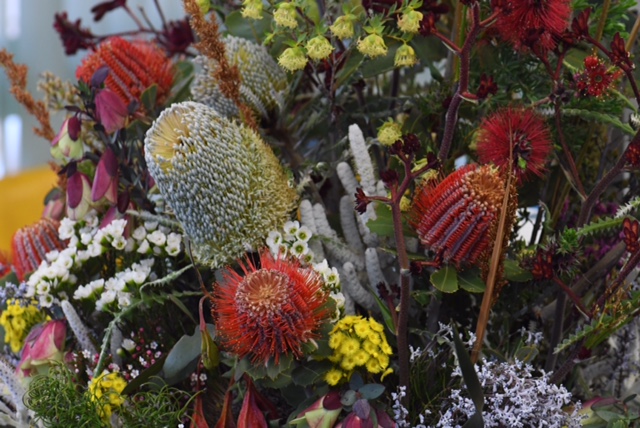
(133, 67)
(519, 133)
(456, 218)
(224, 184)
(271, 311)
(263, 83)
(31, 244)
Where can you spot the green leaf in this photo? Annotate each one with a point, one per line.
(513, 272)
(383, 224)
(423, 297)
(445, 279)
(181, 359)
(182, 307)
(386, 312)
(309, 372)
(149, 97)
(471, 281)
(356, 382)
(470, 379)
(591, 116)
(526, 354)
(250, 29)
(371, 391)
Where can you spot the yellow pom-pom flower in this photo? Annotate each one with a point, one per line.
(389, 132)
(285, 15)
(318, 48)
(252, 9)
(372, 46)
(106, 389)
(17, 320)
(342, 28)
(293, 59)
(409, 21)
(357, 342)
(405, 57)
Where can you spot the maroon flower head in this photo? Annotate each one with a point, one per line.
(361, 201)
(619, 54)
(455, 218)
(520, 133)
(176, 37)
(580, 24)
(101, 9)
(74, 38)
(533, 24)
(596, 79)
(487, 86)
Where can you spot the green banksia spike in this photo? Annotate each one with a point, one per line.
(263, 83)
(30, 245)
(224, 184)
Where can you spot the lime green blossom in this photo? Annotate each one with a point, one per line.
(372, 46)
(405, 57)
(285, 15)
(389, 132)
(252, 9)
(342, 28)
(293, 59)
(106, 389)
(319, 48)
(17, 320)
(409, 21)
(357, 342)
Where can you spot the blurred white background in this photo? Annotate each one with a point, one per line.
(26, 30)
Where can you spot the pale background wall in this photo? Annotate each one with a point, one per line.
(26, 30)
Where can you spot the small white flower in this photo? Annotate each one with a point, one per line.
(147, 264)
(139, 234)
(139, 276)
(124, 300)
(46, 300)
(43, 287)
(291, 227)
(150, 225)
(119, 243)
(73, 242)
(95, 249)
(81, 256)
(52, 256)
(144, 247)
(108, 296)
(322, 267)
(299, 248)
(172, 251)
(130, 245)
(117, 227)
(67, 228)
(274, 239)
(158, 238)
(82, 292)
(85, 238)
(331, 277)
(134, 374)
(304, 234)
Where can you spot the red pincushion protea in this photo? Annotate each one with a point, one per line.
(532, 24)
(133, 67)
(30, 244)
(456, 217)
(270, 311)
(521, 131)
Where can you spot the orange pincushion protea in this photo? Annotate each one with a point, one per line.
(270, 311)
(133, 67)
(455, 218)
(30, 244)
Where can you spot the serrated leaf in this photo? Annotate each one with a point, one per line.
(602, 225)
(445, 279)
(513, 272)
(471, 281)
(590, 116)
(371, 391)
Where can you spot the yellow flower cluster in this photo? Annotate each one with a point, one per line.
(358, 342)
(17, 321)
(106, 390)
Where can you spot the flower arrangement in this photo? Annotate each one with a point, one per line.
(407, 213)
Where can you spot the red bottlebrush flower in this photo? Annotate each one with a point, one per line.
(632, 154)
(269, 311)
(619, 54)
(74, 38)
(455, 218)
(101, 9)
(30, 244)
(133, 67)
(533, 24)
(596, 79)
(176, 37)
(487, 86)
(630, 231)
(521, 131)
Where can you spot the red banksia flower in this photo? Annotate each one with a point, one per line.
(518, 130)
(133, 67)
(269, 311)
(533, 24)
(455, 218)
(31, 243)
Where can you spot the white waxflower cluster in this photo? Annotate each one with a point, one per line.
(57, 277)
(514, 396)
(263, 86)
(224, 184)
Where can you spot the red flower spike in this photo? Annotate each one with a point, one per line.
(133, 67)
(630, 231)
(533, 23)
(30, 244)
(521, 131)
(455, 217)
(270, 311)
(105, 181)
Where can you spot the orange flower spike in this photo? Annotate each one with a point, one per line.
(133, 67)
(270, 311)
(30, 244)
(455, 217)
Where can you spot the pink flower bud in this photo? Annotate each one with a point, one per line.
(78, 196)
(65, 147)
(105, 182)
(43, 345)
(111, 110)
(323, 413)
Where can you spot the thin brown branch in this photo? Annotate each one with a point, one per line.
(17, 75)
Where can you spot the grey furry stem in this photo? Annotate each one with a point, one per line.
(306, 219)
(80, 331)
(351, 285)
(11, 381)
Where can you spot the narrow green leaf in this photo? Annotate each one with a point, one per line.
(470, 376)
(589, 115)
(526, 354)
(445, 279)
